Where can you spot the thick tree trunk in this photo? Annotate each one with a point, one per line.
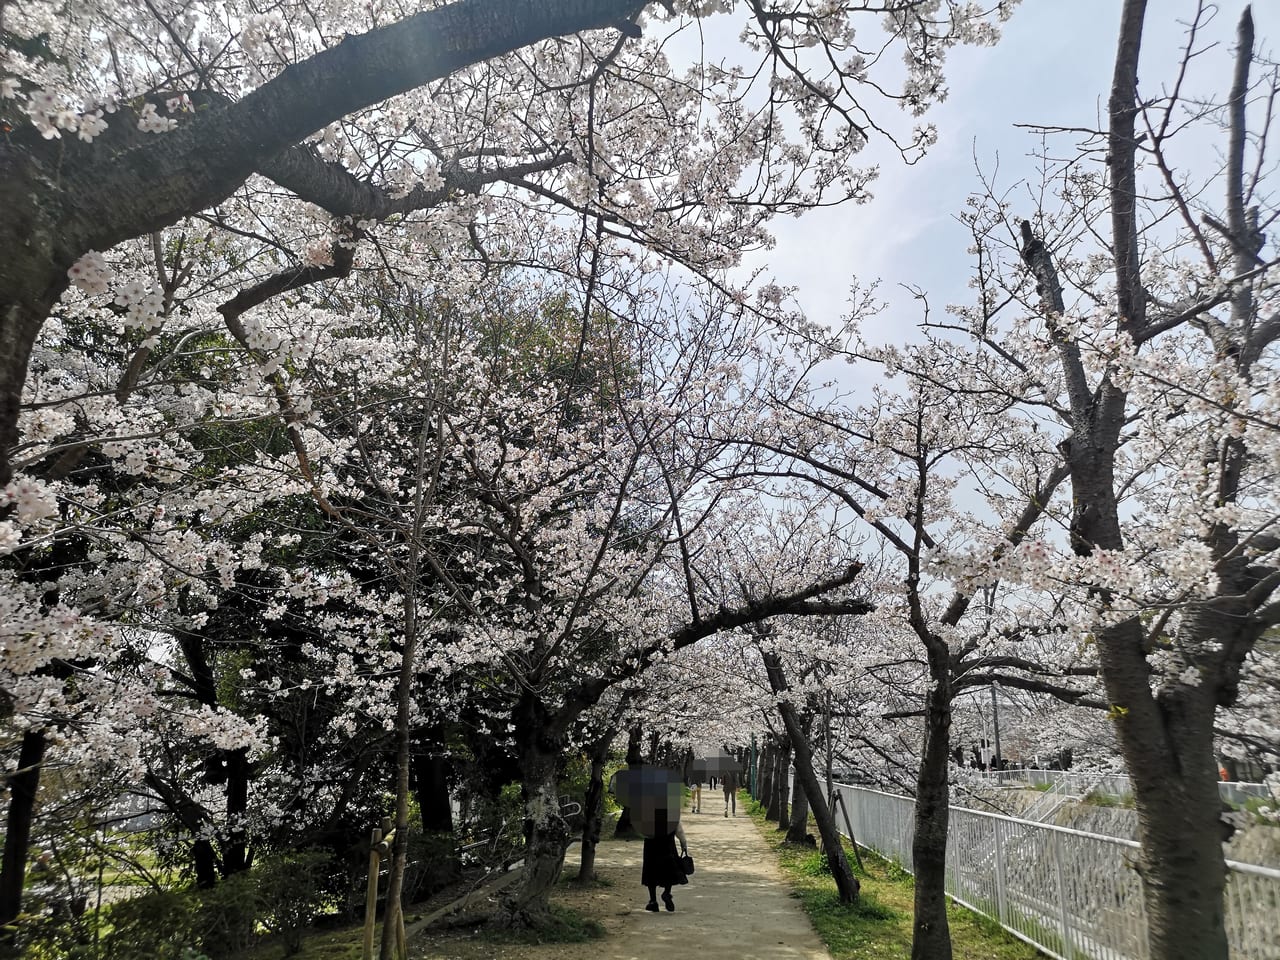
(204, 861)
(1181, 863)
(23, 787)
(931, 935)
(623, 828)
(1166, 739)
(547, 837)
(782, 782)
(798, 825)
(846, 883)
(430, 772)
(764, 786)
(592, 809)
(593, 806)
(235, 851)
(429, 769)
(30, 284)
(1167, 743)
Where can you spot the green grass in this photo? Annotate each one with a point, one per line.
(344, 944)
(878, 926)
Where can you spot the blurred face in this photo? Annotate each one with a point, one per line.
(654, 796)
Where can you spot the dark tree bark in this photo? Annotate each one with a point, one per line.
(546, 831)
(236, 856)
(782, 782)
(847, 885)
(593, 804)
(767, 768)
(798, 824)
(231, 768)
(623, 828)
(23, 787)
(429, 770)
(204, 861)
(931, 934)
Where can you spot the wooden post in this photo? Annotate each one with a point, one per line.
(371, 895)
(382, 849)
(853, 841)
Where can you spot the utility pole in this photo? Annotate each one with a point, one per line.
(754, 795)
(831, 787)
(995, 722)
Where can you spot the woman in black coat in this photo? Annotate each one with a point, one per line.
(661, 867)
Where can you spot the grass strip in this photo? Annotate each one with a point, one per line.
(878, 926)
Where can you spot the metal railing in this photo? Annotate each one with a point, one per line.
(1070, 893)
(1057, 796)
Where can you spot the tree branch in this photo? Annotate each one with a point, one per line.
(208, 156)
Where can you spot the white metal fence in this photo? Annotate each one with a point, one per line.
(1070, 893)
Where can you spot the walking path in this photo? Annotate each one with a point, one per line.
(736, 906)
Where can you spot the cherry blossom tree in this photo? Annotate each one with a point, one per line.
(375, 119)
(904, 465)
(1149, 357)
(223, 158)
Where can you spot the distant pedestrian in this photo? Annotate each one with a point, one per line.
(730, 784)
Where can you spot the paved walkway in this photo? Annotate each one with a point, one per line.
(737, 905)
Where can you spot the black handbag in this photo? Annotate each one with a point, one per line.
(686, 864)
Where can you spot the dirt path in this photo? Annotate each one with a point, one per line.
(736, 906)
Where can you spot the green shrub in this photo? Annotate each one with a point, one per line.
(433, 864)
(282, 893)
(156, 926)
(290, 890)
(226, 916)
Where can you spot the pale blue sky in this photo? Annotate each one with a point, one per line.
(1053, 67)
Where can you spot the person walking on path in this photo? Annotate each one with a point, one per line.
(661, 867)
(730, 783)
(654, 796)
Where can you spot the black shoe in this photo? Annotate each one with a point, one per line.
(671, 904)
(652, 906)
